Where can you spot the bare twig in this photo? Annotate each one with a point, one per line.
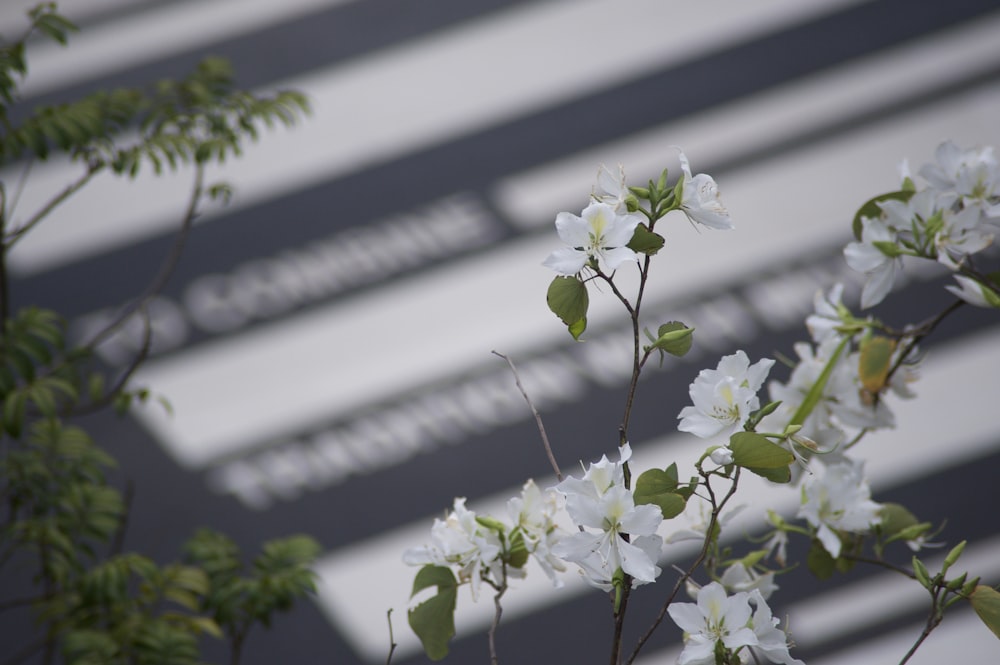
(70, 189)
(166, 267)
(497, 613)
(534, 412)
(713, 520)
(933, 621)
(392, 640)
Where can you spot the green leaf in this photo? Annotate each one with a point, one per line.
(568, 299)
(645, 241)
(816, 391)
(875, 361)
(986, 601)
(433, 621)
(872, 210)
(898, 523)
(819, 561)
(754, 450)
(658, 487)
(577, 329)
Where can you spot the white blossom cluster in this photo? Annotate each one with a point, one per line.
(481, 549)
(833, 395)
(955, 216)
(600, 234)
(741, 622)
(616, 533)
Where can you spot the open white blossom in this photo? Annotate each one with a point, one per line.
(600, 232)
(828, 308)
(715, 617)
(534, 514)
(771, 640)
(740, 578)
(841, 406)
(838, 499)
(867, 257)
(972, 175)
(700, 199)
(612, 189)
(459, 540)
(601, 501)
(725, 396)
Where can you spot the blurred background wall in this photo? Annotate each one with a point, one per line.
(326, 341)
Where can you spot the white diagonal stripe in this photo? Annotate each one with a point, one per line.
(319, 364)
(407, 98)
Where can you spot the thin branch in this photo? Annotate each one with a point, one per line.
(713, 520)
(497, 613)
(166, 268)
(879, 562)
(44, 211)
(933, 621)
(124, 376)
(923, 331)
(538, 418)
(392, 640)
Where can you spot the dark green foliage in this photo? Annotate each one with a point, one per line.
(63, 516)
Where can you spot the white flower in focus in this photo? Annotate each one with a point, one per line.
(716, 617)
(867, 258)
(601, 501)
(700, 199)
(771, 640)
(611, 188)
(600, 233)
(971, 292)
(724, 397)
(534, 514)
(838, 499)
(458, 540)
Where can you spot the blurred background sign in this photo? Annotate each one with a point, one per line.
(326, 340)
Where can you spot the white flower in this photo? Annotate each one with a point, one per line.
(841, 404)
(611, 188)
(714, 618)
(458, 540)
(838, 499)
(699, 524)
(868, 258)
(960, 235)
(601, 501)
(972, 292)
(700, 199)
(600, 233)
(740, 578)
(534, 514)
(724, 397)
(771, 640)
(826, 319)
(972, 174)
